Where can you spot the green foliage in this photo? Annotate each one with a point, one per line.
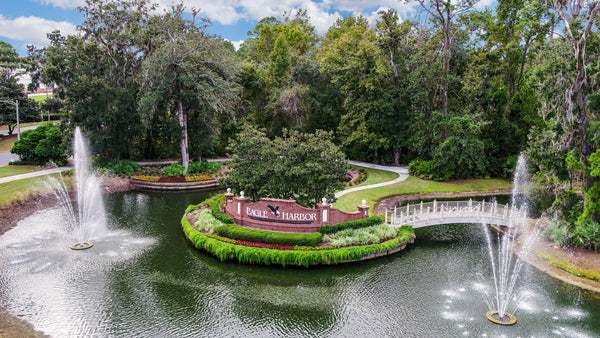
(251, 255)
(304, 167)
(121, 168)
(362, 236)
(421, 168)
(586, 236)
(41, 145)
(357, 224)
(216, 212)
(255, 235)
(125, 168)
(571, 268)
(556, 232)
(205, 221)
(173, 170)
(204, 167)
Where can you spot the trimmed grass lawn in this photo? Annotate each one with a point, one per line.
(375, 176)
(21, 189)
(7, 142)
(39, 98)
(12, 170)
(414, 185)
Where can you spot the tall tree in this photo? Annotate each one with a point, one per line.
(445, 14)
(579, 18)
(190, 69)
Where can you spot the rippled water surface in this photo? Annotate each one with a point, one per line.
(143, 279)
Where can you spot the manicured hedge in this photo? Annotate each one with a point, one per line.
(216, 212)
(251, 255)
(255, 235)
(361, 223)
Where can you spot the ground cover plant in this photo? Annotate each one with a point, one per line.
(362, 236)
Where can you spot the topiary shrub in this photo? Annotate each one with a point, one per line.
(361, 223)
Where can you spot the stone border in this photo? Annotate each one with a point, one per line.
(174, 186)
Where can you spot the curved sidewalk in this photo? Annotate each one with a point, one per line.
(401, 171)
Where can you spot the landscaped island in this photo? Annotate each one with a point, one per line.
(209, 229)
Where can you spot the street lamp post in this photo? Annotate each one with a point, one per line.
(16, 104)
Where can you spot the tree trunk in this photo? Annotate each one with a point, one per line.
(185, 156)
(397, 156)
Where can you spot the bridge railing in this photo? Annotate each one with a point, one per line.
(426, 213)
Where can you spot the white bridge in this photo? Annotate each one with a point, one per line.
(447, 212)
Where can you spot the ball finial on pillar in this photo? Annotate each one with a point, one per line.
(241, 194)
(364, 202)
(324, 200)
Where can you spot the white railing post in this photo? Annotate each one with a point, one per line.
(421, 211)
(434, 206)
(386, 212)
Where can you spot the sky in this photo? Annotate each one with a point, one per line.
(26, 22)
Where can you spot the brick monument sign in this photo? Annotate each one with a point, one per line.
(286, 215)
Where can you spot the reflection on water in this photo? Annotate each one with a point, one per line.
(147, 281)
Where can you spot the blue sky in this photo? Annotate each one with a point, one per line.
(24, 22)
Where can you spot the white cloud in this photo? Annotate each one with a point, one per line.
(66, 4)
(33, 29)
(236, 44)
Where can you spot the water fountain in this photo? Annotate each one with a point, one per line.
(88, 219)
(502, 302)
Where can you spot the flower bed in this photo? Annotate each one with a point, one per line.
(175, 179)
(267, 254)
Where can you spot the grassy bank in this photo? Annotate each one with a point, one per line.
(12, 170)
(22, 189)
(375, 176)
(414, 185)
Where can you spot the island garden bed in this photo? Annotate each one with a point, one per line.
(208, 229)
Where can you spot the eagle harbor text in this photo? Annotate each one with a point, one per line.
(286, 215)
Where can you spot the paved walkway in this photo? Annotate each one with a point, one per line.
(33, 174)
(401, 171)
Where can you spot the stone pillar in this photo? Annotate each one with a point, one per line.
(240, 208)
(324, 212)
(364, 209)
(228, 197)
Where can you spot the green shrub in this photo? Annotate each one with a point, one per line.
(216, 212)
(361, 223)
(219, 199)
(362, 236)
(173, 170)
(124, 168)
(556, 232)
(41, 145)
(255, 235)
(206, 222)
(251, 255)
(586, 236)
(101, 162)
(204, 167)
(421, 168)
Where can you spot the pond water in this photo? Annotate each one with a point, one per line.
(145, 280)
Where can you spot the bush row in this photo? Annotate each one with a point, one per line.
(216, 212)
(251, 255)
(361, 223)
(264, 236)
